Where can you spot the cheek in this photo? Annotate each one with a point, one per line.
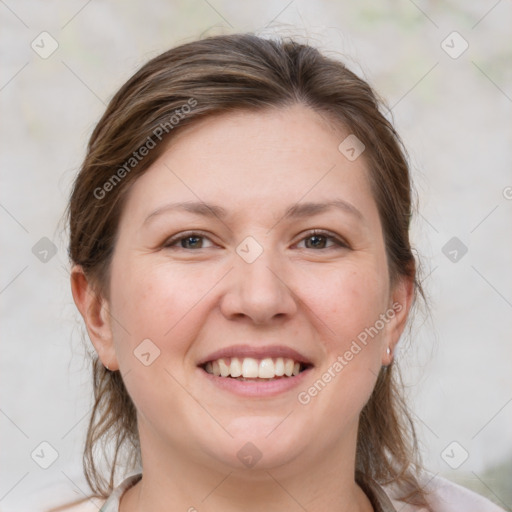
(158, 303)
(351, 307)
(348, 301)
(156, 313)
(347, 306)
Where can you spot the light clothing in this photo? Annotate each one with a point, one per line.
(112, 503)
(444, 496)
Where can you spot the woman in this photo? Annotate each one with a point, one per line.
(241, 259)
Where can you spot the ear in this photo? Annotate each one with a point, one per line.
(401, 300)
(95, 311)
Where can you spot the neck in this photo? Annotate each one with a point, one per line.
(177, 479)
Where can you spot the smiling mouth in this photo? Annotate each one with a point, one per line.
(252, 369)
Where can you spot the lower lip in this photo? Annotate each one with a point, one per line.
(259, 388)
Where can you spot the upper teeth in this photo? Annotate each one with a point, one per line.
(249, 367)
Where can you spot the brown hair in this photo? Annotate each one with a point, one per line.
(206, 77)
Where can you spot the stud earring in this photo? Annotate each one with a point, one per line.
(388, 351)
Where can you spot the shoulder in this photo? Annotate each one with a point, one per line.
(96, 503)
(446, 496)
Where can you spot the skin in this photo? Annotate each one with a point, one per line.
(315, 298)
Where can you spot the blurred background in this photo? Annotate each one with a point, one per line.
(445, 71)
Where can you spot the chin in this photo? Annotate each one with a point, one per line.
(258, 443)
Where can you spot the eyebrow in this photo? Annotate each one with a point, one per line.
(298, 210)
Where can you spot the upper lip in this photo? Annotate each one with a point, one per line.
(259, 352)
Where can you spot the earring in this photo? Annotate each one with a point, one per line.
(388, 351)
(106, 366)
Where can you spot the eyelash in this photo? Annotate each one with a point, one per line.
(170, 243)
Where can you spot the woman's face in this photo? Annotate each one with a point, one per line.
(217, 258)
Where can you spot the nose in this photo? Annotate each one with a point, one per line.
(258, 291)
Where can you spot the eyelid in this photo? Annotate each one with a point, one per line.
(169, 242)
(340, 242)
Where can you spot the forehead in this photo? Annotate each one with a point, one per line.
(255, 160)
(271, 135)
